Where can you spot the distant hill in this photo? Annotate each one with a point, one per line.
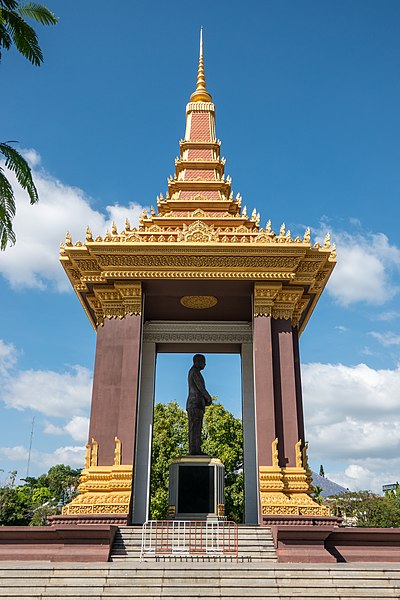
(329, 488)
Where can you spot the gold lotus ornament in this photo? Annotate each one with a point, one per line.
(198, 302)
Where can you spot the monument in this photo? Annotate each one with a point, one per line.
(198, 399)
(199, 274)
(196, 481)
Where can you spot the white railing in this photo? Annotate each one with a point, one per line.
(189, 538)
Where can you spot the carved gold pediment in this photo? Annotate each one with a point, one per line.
(198, 232)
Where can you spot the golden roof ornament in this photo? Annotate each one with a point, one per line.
(327, 240)
(89, 236)
(201, 94)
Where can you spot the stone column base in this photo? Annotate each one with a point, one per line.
(104, 491)
(78, 520)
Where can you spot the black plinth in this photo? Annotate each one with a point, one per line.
(196, 488)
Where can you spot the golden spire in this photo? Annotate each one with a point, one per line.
(201, 94)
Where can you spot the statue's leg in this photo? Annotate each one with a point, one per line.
(197, 431)
(193, 431)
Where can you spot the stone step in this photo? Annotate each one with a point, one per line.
(232, 581)
(254, 544)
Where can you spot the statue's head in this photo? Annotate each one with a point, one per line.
(199, 361)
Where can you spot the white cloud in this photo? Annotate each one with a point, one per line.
(77, 428)
(363, 269)
(52, 394)
(34, 260)
(52, 429)
(67, 455)
(32, 156)
(386, 339)
(352, 416)
(355, 438)
(367, 351)
(65, 396)
(389, 315)
(333, 392)
(358, 476)
(8, 357)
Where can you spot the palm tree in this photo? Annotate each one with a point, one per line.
(317, 494)
(14, 30)
(16, 163)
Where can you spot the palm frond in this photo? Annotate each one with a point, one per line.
(23, 36)
(7, 212)
(5, 38)
(17, 163)
(38, 12)
(10, 4)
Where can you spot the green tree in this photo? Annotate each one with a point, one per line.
(32, 502)
(317, 494)
(222, 437)
(59, 480)
(321, 471)
(366, 509)
(170, 434)
(15, 31)
(14, 507)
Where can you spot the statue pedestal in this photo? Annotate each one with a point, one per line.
(196, 488)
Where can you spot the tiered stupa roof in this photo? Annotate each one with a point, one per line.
(199, 197)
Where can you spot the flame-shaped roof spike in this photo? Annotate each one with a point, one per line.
(201, 94)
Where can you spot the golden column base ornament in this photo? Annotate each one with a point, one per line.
(102, 489)
(287, 490)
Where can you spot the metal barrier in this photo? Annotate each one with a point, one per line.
(189, 538)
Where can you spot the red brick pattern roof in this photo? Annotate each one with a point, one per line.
(200, 129)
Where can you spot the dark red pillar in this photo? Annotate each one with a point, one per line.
(115, 388)
(287, 390)
(264, 389)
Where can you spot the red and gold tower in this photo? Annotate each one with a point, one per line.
(200, 256)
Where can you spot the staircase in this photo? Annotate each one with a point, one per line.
(152, 581)
(255, 545)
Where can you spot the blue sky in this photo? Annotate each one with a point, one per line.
(307, 96)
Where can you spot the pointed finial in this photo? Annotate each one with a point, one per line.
(89, 236)
(327, 240)
(201, 94)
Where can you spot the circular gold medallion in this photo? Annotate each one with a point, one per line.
(198, 301)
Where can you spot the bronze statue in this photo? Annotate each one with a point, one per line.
(196, 404)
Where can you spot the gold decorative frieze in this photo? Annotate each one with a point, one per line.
(274, 300)
(264, 298)
(102, 489)
(106, 277)
(115, 301)
(287, 490)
